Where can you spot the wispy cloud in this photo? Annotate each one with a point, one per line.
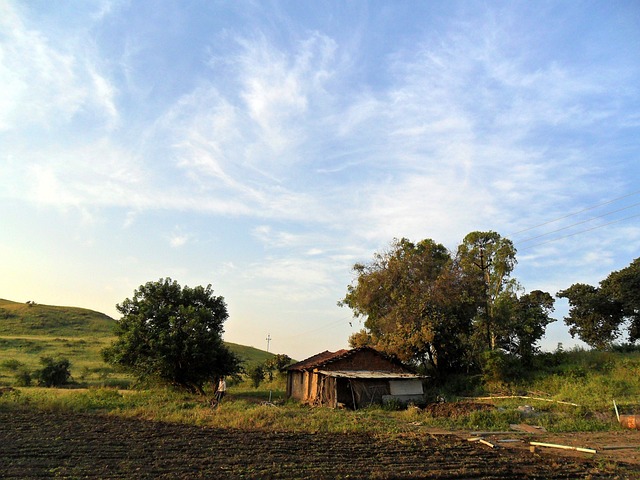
(290, 280)
(461, 120)
(179, 239)
(318, 142)
(43, 83)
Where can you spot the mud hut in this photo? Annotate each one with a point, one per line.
(353, 378)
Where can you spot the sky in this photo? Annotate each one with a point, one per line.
(264, 147)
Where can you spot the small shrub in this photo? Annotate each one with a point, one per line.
(625, 348)
(455, 385)
(257, 374)
(500, 366)
(12, 364)
(54, 373)
(23, 378)
(393, 405)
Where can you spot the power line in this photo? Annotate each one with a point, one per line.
(577, 223)
(322, 327)
(581, 231)
(575, 213)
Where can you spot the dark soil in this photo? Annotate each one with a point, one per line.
(35, 444)
(455, 409)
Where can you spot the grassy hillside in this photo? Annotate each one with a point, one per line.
(31, 331)
(249, 354)
(46, 320)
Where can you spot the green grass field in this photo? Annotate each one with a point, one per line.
(590, 379)
(31, 331)
(18, 319)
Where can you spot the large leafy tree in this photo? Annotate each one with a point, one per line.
(593, 317)
(623, 287)
(413, 298)
(597, 314)
(425, 306)
(491, 258)
(172, 334)
(523, 321)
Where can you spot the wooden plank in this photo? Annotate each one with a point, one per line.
(482, 434)
(619, 447)
(489, 444)
(524, 397)
(564, 447)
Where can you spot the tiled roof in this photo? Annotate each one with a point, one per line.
(317, 360)
(370, 374)
(326, 357)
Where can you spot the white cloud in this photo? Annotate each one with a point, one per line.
(45, 84)
(178, 240)
(47, 188)
(451, 145)
(314, 146)
(290, 280)
(94, 174)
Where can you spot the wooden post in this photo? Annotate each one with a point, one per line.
(353, 396)
(564, 447)
(489, 444)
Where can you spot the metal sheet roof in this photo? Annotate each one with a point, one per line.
(370, 374)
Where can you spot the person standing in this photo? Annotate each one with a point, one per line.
(222, 389)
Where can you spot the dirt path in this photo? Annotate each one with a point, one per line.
(35, 444)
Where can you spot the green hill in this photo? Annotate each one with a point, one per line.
(249, 354)
(29, 331)
(46, 320)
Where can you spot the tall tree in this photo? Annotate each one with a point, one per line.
(623, 287)
(413, 297)
(172, 334)
(492, 258)
(593, 316)
(524, 322)
(597, 315)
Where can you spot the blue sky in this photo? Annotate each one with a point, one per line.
(265, 147)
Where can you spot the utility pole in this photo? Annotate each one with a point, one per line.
(268, 339)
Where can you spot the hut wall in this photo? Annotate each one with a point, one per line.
(307, 385)
(328, 393)
(369, 391)
(296, 387)
(314, 391)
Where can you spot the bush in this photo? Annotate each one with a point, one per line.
(23, 378)
(394, 405)
(257, 374)
(455, 385)
(625, 348)
(55, 372)
(501, 367)
(12, 364)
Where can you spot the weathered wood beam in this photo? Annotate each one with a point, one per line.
(499, 397)
(563, 447)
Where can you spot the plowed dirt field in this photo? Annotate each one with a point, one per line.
(35, 444)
